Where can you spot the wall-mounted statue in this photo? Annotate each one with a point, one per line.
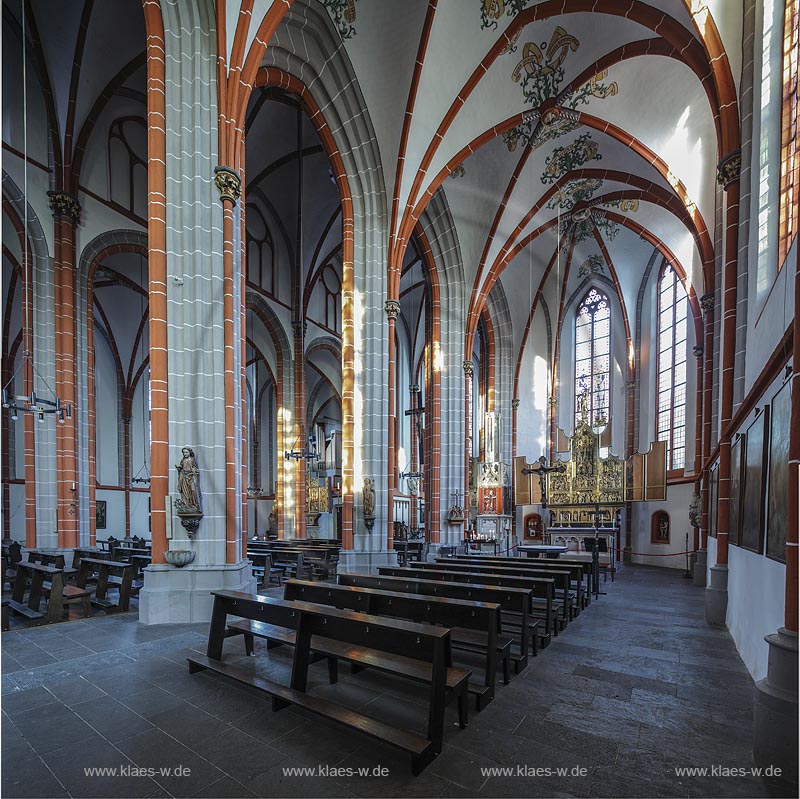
(368, 495)
(189, 503)
(696, 510)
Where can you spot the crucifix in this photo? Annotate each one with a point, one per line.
(543, 471)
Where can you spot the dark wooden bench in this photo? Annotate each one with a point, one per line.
(109, 573)
(4, 603)
(422, 646)
(514, 601)
(44, 582)
(577, 570)
(77, 554)
(263, 570)
(571, 601)
(561, 579)
(293, 563)
(54, 559)
(478, 622)
(538, 587)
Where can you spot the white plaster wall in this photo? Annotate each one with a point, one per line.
(115, 513)
(140, 510)
(16, 515)
(756, 588)
(677, 506)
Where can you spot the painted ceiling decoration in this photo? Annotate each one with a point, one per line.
(343, 14)
(493, 10)
(573, 192)
(541, 67)
(593, 265)
(566, 158)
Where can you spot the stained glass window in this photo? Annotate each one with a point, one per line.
(592, 356)
(671, 388)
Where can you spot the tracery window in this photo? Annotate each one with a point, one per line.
(671, 392)
(790, 151)
(593, 356)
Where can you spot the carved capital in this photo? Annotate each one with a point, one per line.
(392, 308)
(707, 302)
(228, 182)
(697, 350)
(469, 367)
(630, 384)
(414, 389)
(514, 403)
(63, 204)
(299, 326)
(552, 401)
(728, 169)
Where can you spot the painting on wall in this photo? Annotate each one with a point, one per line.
(100, 514)
(778, 473)
(735, 515)
(754, 475)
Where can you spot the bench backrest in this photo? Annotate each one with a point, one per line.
(419, 641)
(513, 599)
(454, 564)
(437, 610)
(46, 558)
(575, 569)
(536, 584)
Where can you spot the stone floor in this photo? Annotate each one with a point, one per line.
(636, 687)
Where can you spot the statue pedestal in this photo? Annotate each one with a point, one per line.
(182, 595)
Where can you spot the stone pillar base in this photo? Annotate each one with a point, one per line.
(717, 596)
(775, 708)
(351, 560)
(183, 595)
(700, 568)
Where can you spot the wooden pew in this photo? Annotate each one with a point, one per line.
(454, 613)
(110, 573)
(45, 581)
(561, 578)
(54, 559)
(512, 600)
(583, 569)
(77, 554)
(423, 647)
(536, 568)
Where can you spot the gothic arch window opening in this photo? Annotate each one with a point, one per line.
(671, 365)
(593, 358)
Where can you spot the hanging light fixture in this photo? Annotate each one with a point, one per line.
(32, 403)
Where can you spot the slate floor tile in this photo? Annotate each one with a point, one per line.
(111, 719)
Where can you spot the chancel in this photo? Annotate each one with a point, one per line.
(400, 397)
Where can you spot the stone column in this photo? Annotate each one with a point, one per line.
(300, 442)
(202, 313)
(392, 308)
(717, 591)
(66, 216)
(413, 405)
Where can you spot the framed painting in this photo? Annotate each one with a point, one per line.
(754, 479)
(778, 473)
(735, 514)
(100, 514)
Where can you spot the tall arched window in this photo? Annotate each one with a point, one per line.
(671, 402)
(592, 356)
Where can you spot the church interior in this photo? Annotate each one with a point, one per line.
(447, 344)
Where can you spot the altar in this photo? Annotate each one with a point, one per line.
(575, 540)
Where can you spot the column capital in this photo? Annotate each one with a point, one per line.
(228, 182)
(414, 389)
(469, 367)
(707, 302)
(552, 401)
(728, 169)
(630, 384)
(64, 204)
(392, 308)
(299, 326)
(514, 403)
(698, 350)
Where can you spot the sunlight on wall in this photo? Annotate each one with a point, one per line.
(699, 11)
(540, 396)
(684, 157)
(438, 358)
(358, 399)
(285, 417)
